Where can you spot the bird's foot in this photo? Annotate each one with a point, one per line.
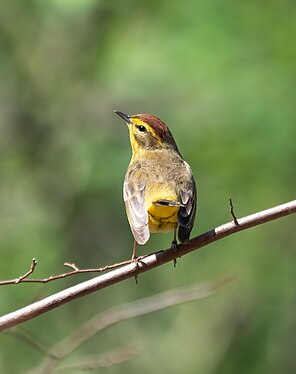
(136, 261)
(174, 248)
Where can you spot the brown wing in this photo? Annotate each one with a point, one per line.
(134, 198)
(186, 214)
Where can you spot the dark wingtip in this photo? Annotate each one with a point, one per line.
(183, 234)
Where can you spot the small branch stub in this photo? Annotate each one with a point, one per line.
(72, 266)
(232, 213)
(29, 272)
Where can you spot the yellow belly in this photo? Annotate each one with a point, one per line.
(161, 218)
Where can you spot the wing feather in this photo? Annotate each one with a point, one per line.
(134, 198)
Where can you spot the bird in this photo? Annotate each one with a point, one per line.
(159, 190)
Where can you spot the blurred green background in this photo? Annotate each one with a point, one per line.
(222, 75)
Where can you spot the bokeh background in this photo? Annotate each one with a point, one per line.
(222, 75)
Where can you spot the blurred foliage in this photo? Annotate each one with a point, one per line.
(222, 75)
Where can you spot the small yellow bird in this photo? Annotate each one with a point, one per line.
(159, 189)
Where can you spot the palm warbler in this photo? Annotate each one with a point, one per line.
(159, 190)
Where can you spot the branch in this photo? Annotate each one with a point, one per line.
(147, 263)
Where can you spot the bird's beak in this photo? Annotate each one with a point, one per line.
(124, 116)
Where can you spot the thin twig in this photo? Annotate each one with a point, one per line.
(232, 212)
(24, 278)
(72, 266)
(116, 315)
(147, 263)
(29, 272)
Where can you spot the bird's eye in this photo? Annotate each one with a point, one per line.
(142, 128)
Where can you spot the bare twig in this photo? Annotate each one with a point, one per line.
(29, 272)
(72, 266)
(232, 212)
(121, 313)
(24, 278)
(147, 263)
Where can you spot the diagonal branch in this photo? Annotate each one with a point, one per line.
(145, 264)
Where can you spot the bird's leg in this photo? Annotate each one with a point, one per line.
(134, 256)
(174, 242)
(135, 259)
(174, 245)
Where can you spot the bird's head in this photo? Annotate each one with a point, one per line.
(148, 132)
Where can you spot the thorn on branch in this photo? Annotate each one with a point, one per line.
(29, 272)
(232, 212)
